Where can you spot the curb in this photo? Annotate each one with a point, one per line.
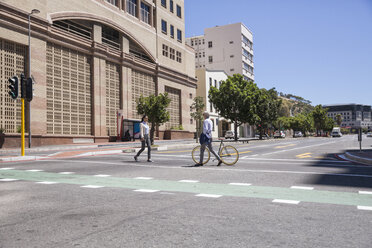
(365, 161)
(24, 158)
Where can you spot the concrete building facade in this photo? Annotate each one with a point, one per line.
(228, 48)
(206, 79)
(90, 59)
(353, 115)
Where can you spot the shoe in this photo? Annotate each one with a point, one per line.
(149, 160)
(198, 164)
(219, 163)
(135, 158)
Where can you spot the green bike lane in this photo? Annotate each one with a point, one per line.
(362, 201)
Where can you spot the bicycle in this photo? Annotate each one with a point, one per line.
(228, 154)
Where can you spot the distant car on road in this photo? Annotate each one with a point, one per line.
(230, 135)
(298, 134)
(369, 134)
(279, 134)
(336, 132)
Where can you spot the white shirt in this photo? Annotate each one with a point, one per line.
(207, 127)
(144, 129)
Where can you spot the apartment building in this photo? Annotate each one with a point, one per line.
(353, 115)
(207, 79)
(91, 59)
(228, 48)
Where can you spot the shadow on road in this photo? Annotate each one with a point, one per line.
(347, 175)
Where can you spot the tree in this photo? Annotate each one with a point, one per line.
(198, 108)
(338, 119)
(155, 107)
(301, 122)
(236, 100)
(267, 109)
(319, 115)
(329, 124)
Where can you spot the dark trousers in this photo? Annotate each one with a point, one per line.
(145, 141)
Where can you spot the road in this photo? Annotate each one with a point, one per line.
(281, 193)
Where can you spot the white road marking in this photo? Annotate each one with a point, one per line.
(297, 148)
(286, 201)
(302, 187)
(66, 173)
(92, 186)
(144, 178)
(188, 181)
(147, 190)
(208, 195)
(365, 208)
(6, 168)
(294, 160)
(8, 180)
(241, 184)
(365, 192)
(102, 175)
(47, 182)
(166, 193)
(34, 170)
(219, 169)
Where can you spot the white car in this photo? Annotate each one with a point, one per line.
(230, 135)
(279, 134)
(369, 134)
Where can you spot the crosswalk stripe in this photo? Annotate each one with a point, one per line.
(285, 201)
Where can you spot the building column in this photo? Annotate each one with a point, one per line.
(98, 88)
(138, 9)
(126, 83)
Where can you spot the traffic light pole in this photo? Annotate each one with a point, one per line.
(29, 75)
(23, 127)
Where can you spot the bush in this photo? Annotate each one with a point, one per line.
(180, 127)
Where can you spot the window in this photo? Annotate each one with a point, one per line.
(247, 55)
(210, 44)
(199, 55)
(179, 35)
(164, 26)
(210, 81)
(191, 121)
(164, 3)
(248, 67)
(192, 42)
(165, 50)
(171, 31)
(247, 42)
(171, 6)
(203, 41)
(210, 59)
(215, 83)
(172, 54)
(231, 42)
(190, 95)
(145, 13)
(203, 54)
(211, 107)
(179, 57)
(132, 7)
(232, 70)
(199, 42)
(213, 124)
(113, 2)
(196, 55)
(231, 56)
(179, 14)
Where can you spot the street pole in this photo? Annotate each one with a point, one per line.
(29, 75)
(34, 11)
(23, 127)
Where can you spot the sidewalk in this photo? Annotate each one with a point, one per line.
(364, 157)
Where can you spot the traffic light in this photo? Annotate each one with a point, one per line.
(29, 89)
(13, 86)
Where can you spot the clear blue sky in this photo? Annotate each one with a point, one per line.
(318, 49)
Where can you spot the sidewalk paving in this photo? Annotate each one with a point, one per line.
(364, 157)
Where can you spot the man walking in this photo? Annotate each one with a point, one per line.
(206, 140)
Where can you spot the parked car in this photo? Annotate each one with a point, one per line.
(369, 134)
(279, 134)
(230, 135)
(298, 134)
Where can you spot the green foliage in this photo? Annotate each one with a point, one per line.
(329, 124)
(2, 130)
(180, 127)
(301, 122)
(236, 100)
(294, 105)
(155, 107)
(198, 108)
(320, 118)
(19, 129)
(338, 119)
(267, 108)
(345, 130)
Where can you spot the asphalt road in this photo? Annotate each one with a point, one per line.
(281, 193)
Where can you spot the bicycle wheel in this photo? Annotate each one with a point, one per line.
(196, 155)
(229, 155)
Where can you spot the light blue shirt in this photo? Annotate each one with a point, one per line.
(207, 127)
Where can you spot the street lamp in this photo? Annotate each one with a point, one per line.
(34, 11)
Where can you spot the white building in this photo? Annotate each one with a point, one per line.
(206, 79)
(228, 48)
